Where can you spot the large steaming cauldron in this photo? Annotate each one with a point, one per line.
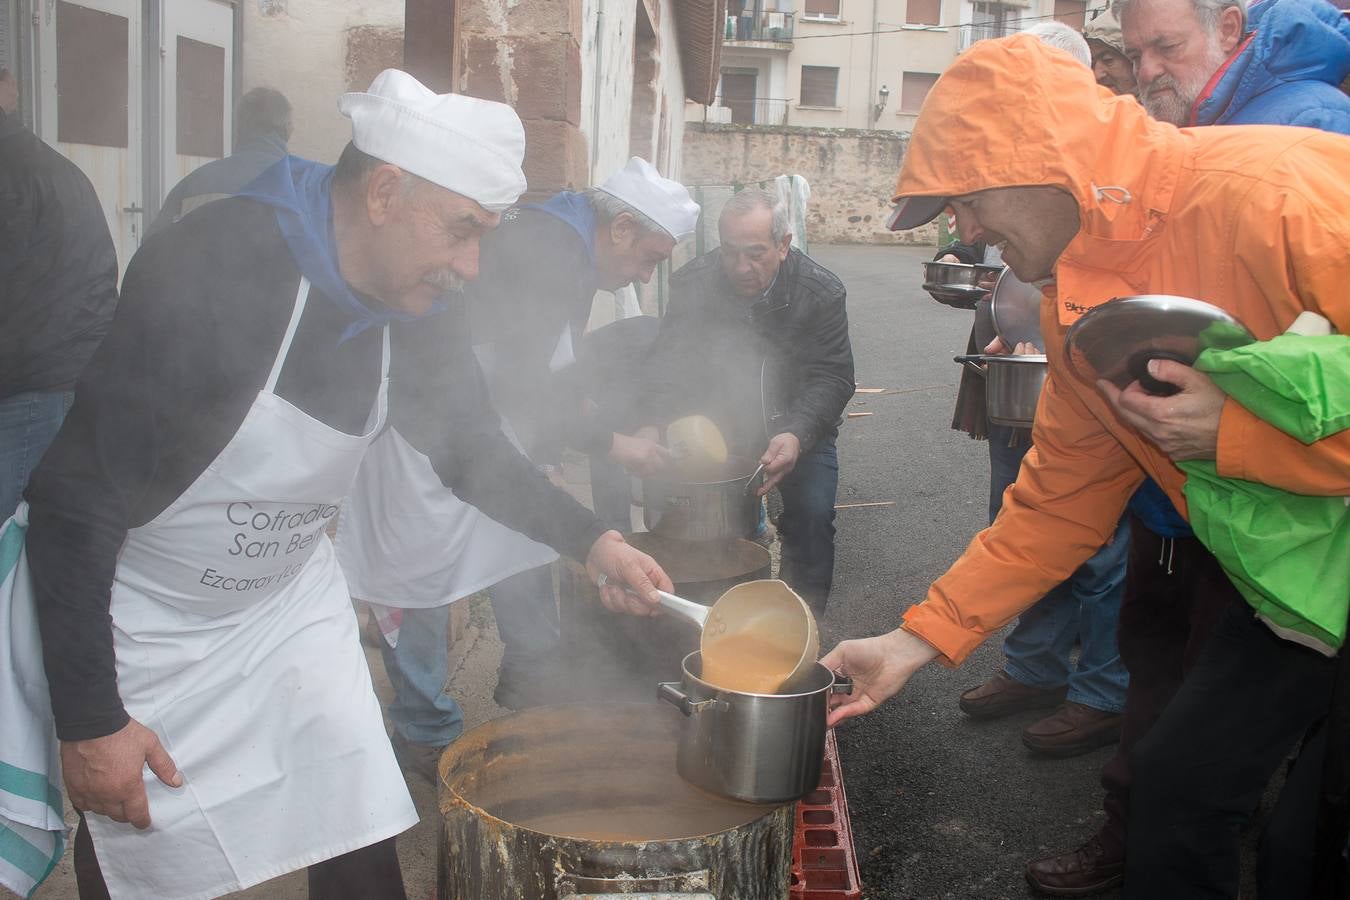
(585, 800)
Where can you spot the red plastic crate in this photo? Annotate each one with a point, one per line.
(824, 866)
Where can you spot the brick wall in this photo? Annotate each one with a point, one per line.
(851, 173)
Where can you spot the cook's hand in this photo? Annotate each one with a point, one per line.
(949, 258)
(623, 565)
(997, 347)
(880, 666)
(779, 460)
(1184, 425)
(640, 455)
(103, 775)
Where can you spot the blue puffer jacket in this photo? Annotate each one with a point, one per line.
(1288, 71)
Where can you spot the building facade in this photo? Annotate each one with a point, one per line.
(140, 92)
(861, 64)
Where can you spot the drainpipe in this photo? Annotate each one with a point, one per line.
(872, 73)
(597, 86)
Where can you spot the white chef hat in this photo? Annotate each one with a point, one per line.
(662, 200)
(470, 146)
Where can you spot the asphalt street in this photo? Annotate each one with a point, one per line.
(941, 806)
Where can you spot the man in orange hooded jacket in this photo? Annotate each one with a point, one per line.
(1088, 194)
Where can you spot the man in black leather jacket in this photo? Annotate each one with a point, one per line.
(58, 290)
(756, 339)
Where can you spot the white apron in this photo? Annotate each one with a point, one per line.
(406, 541)
(237, 644)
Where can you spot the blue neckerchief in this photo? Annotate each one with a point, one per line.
(301, 194)
(576, 211)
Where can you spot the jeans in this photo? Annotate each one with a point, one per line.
(28, 423)
(1201, 769)
(526, 609)
(422, 712)
(806, 526)
(1083, 609)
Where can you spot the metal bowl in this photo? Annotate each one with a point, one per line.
(956, 284)
(1116, 340)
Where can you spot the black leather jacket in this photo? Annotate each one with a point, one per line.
(782, 363)
(58, 269)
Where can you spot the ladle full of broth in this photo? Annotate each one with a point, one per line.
(757, 637)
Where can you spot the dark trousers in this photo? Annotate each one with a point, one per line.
(362, 874)
(1175, 592)
(806, 526)
(1200, 771)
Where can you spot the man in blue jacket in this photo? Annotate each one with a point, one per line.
(1204, 62)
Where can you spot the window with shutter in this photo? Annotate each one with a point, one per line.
(819, 86)
(923, 12)
(822, 9)
(914, 87)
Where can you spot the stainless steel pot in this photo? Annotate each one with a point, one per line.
(703, 511)
(759, 748)
(1012, 386)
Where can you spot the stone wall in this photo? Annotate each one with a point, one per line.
(851, 173)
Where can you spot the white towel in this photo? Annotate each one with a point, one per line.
(32, 826)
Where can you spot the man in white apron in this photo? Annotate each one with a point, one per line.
(539, 273)
(192, 612)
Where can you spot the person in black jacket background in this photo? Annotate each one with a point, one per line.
(756, 339)
(58, 290)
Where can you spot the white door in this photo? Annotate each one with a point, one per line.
(197, 76)
(89, 103)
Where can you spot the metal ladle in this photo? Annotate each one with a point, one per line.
(748, 608)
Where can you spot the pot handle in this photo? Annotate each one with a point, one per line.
(670, 692)
(843, 684)
(973, 362)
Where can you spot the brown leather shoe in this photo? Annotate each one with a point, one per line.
(1004, 695)
(1090, 869)
(1072, 729)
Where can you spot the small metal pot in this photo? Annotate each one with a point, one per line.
(760, 748)
(1012, 386)
(703, 511)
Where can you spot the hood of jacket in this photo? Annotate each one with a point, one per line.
(1287, 71)
(1065, 130)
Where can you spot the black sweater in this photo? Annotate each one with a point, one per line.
(205, 305)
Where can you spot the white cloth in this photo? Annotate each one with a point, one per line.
(237, 645)
(470, 146)
(665, 202)
(32, 830)
(406, 541)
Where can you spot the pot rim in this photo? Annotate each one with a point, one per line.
(1023, 359)
(684, 668)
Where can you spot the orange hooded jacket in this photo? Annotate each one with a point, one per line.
(1254, 219)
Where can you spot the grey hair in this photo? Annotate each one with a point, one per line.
(1207, 12)
(609, 207)
(1059, 35)
(752, 199)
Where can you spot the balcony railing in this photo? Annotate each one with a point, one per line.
(775, 27)
(979, 32)
(759, 111)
